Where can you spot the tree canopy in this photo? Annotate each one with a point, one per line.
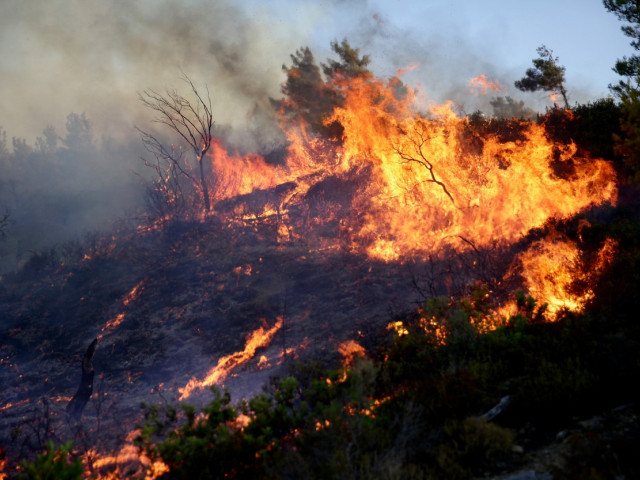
(547, 75)
(628, 144)
(312, 91)
(629, 67)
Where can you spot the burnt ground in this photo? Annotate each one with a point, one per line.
(202, 288)
(168, 302)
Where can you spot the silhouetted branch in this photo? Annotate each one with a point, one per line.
(193, 122)
(414, 152)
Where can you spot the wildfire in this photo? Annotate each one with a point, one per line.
(480, 85)
(125, 462)
(552, 266)
(257, 339)
(425, 181)
(119, 318)
(350, 350)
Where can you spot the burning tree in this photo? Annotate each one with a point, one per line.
(192, 121)
(312, 97)
(411, 148)
(547, 75)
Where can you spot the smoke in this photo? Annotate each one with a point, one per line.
(95, 57)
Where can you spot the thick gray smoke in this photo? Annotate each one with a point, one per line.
(94, 56)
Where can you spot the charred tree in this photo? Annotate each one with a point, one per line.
(85, 389)
(4, 223)
(192, 121)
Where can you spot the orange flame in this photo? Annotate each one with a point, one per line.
(124, 463)
(350, 350)
(552, 266)
(257, 339)
(427, 178)
(480, 85)
(408, 68)
(119, 318)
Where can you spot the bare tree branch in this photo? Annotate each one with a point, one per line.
(413, 151)
(192, 121)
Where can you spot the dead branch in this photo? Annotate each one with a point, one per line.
(413, 152)
(193, 122)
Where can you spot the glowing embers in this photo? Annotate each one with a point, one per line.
(257, 339)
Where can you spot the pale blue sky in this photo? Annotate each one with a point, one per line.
(451, 39)
(94, 56)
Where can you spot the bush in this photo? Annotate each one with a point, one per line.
(53, 464)
(471, 447)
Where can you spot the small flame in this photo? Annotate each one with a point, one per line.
(551, 266)
(350, 349)
(13, 405)
(114, 322)
(408, 68)
(134, 293)
(398, 327)
(257, 339)
(119, 318)
(480, 85)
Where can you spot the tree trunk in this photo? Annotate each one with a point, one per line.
(563, 92)
(85, 389)
(205, 187)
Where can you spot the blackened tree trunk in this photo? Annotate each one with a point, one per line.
(85, 389)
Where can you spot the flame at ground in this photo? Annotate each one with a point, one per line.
(119, 318)
(350, 350)
(552, 266)
(258, 338)
(429, 178)
(127, 461)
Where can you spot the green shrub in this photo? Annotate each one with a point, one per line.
(471, 447)
(53, 464)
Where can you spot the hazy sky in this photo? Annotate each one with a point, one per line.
(95, 56)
